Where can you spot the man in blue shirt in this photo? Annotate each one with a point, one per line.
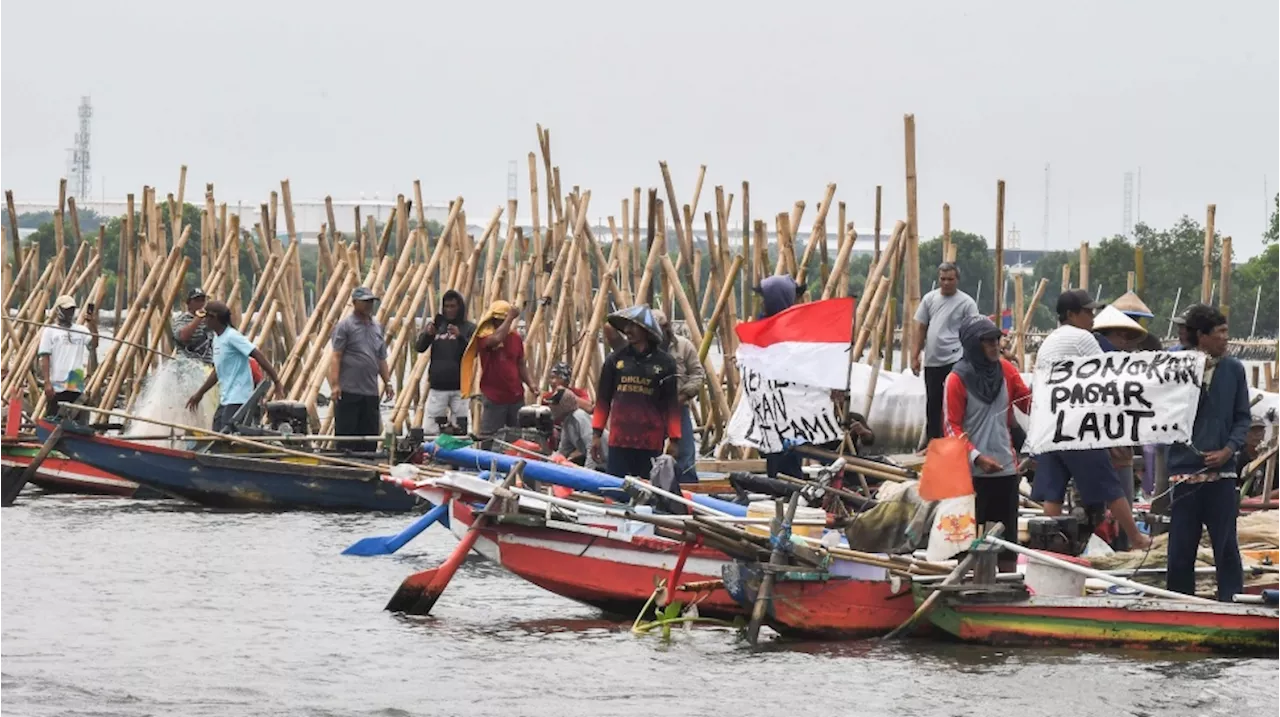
(1203, 472)
(231, 372)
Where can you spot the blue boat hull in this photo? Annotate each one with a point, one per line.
(228, 481)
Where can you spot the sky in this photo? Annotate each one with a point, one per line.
(351, 98)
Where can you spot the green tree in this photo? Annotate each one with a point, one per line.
(1254, 283)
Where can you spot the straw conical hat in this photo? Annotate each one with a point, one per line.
(1132, 305)
(1113, 318)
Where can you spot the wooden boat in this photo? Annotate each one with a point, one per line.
(819, 605)
(600, 566)
(60, 474)
(1133, 622)
(230, 481)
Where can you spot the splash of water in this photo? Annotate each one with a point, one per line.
(164, 397)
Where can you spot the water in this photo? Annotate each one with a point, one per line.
(114, 607)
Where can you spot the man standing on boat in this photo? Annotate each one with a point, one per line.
(1094, 476)
(937, 327)
(691, 377)
(191, 333)
(231, 371)
(446, 336)
(1203, 473)
(637, 398)
(63, 355)
(359, 359)
(779, 293)
(504, 375)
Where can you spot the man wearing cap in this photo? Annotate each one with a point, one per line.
(63, 355)
(359, 359)
(231, 370)
(190, 332)
(937, 326)
(637, 398)
(504, 374)
(1180, 323)
(1094, 476)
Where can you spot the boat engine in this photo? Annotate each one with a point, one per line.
(287, 417)
(1058, 534)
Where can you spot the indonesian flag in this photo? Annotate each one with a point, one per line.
(806, 344)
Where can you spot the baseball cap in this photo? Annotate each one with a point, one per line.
(196, 293)
(363, 294)
(1075, 300)
(64, 302)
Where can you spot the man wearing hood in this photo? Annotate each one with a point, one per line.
(779, 294)
(691, 376)
(446, 336)
(637, 398)
(979, 395)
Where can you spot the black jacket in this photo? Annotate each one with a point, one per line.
(445, 371)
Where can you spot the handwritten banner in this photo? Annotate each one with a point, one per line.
(1116, 399)
(773, 413)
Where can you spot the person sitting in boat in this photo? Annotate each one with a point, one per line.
(63, 355)
(231, 370)
(574, 425)
(558, 379)
(1203, 472)
(978, 400)
(637, 398)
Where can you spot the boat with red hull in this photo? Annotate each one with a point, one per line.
(60, 474)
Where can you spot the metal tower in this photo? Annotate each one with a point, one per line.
(81, 178)
(1013, 237)
(1128, 204)
(512, 186)
(1044, 230)
(1137, 209)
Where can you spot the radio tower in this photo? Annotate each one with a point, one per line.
(1128, 204)
(80, 178)
(512, 187)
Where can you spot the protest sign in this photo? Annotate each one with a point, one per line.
(773, 413)
(1116, 399)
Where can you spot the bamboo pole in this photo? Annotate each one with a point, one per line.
(720, 405)
(998, 285)
(1206, 276)
(911, 293)
(1084, 266)
(1224, 282)
(1020, 338)
(817, 234)
(838, 279)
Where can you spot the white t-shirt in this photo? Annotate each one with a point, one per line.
(944, 316)
(68, 352)
(1067, 341)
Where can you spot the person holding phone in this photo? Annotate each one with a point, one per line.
(63, 355)
(446, 336)
(190, 331)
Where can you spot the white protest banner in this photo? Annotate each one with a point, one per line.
(1116, 399)
(772, 413)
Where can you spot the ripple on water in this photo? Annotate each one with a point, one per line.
(130, 608)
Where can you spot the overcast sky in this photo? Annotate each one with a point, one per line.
(345, 98)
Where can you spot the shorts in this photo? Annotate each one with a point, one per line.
(1094, 475)
(496, 416)
(449, 405)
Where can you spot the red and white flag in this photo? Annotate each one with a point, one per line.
(807, 344)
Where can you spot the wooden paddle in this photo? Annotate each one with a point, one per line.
(420, 591)
(13, 486)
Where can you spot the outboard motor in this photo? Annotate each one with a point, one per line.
(288, 417)
(1058, 534)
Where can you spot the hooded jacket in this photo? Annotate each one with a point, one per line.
(445, 371)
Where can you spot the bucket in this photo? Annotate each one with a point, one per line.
(764, 509)
(1044, 579)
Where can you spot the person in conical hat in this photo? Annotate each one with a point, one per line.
(636, 397)
(1122, 332)
(504, 374)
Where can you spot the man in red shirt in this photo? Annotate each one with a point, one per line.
(637, 397)
(504, 374)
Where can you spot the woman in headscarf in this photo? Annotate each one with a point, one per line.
(978, 406)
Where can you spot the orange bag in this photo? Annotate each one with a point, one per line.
(946, 469)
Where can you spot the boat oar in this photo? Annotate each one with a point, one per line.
(781, 537)
(931, 602)
(388, 544)
(15, 481)
(420, 591)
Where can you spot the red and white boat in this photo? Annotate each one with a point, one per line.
(610, 569)
(60, 474)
